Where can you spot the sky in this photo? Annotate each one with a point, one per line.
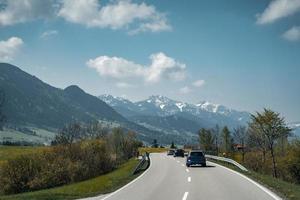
(244, 54)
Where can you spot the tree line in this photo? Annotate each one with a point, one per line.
(262, 146)
(78, 152)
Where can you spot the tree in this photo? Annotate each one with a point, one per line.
(226, 139)
(216, 133)
(206, 140)
(2, 116)
(69, 134)
(96, 130)
(269, 126)
(172, 145)
(155, 144)
(241, 136)
(257, 140)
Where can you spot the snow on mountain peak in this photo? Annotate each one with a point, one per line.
(210, 107)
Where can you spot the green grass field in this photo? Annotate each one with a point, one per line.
(41, 136)
(92, 187)
(287, 190)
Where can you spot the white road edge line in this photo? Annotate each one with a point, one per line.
(266, 190)
(128, 184)
(189, 179)
(185, 196)
(187, 170)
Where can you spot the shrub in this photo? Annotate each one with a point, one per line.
(17, 174)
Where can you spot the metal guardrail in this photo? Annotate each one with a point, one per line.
(145, 158)
(228, 160)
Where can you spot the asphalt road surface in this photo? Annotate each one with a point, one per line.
(169, 179)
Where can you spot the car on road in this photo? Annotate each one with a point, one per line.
(171, 152)
(179, 153)
(196, 157)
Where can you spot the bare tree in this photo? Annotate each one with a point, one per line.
(269, 127)
(69, 134)
(241, 136)
(216, 132)
(226, 140)
(96, 130)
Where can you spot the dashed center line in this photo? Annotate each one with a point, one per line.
(185, 196)
(189, 179)
(187, 170)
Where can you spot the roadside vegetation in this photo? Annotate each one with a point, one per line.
(96, 186)
(282, 188)
(12, 152)
(264, 147)
(78, 153)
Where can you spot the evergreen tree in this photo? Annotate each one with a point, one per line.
(206, 140)
(155, 144)
(172, 146)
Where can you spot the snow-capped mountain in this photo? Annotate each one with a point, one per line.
(296, 128)
(203, 114)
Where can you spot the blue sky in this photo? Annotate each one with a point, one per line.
(242, 54)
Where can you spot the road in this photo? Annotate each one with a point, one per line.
(169, 179)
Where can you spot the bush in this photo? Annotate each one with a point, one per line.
(60, 165)
(293, 161)
(16, 175)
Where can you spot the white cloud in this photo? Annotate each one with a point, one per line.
(19, 11)
(124, 85)
(48, 34)
(198, 83)
(9, 48)
(292, 34)
(278, 9)
(185, 90)
(161, 67)
(114, 15)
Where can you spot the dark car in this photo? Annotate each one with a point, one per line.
(196, 157)
(179, 153)
(171, 152)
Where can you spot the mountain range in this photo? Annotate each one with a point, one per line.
(170, 116)
(35, 107)
(31, 103)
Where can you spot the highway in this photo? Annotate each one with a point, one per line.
(169, 179)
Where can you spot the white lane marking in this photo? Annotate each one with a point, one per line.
(128, 184)
(269, 192)
(189, 179)
(182, 165)
(178, 161)
(187, 170)
(185, 196)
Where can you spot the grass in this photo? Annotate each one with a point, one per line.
(143, 150)
(10, 152)
(282, 188)
(42, 136)
(92, 187)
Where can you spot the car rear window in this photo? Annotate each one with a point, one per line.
(198, 154)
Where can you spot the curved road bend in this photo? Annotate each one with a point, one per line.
(169, 179)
